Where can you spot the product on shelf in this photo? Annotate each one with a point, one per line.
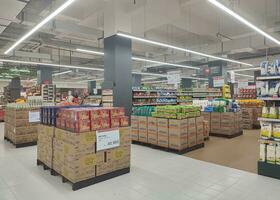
(247, 93)
(143, 110)
(250, 103)
(107, 98)
(226, 91)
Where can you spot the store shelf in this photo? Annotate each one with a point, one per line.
(154, 97)
(268, 119)
(269, 98)
(154, 104)
(263, 78)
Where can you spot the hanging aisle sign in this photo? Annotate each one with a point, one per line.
(218, 81)
(174, 77)
(107, 139)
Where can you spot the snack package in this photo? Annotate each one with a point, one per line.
(271, 154)
(265, 112)
(262, 152)
(266, 129)
(264, 68)
(273, 114)
(276, 131)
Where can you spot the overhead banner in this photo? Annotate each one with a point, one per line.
(218, 81)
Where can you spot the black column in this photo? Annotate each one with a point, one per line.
(136, 80)
(186, 83)
(118, 70)
(91, 87)
(44, 75)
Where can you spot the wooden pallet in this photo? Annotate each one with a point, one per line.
(180, 152)
(22, 145)
(85, 183)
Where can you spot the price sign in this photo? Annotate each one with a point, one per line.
(34, 116)
(107, 139)
(218, 81)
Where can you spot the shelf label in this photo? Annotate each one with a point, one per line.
(107, 139)
(34, 116)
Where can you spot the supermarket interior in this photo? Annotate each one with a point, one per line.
(139, 99)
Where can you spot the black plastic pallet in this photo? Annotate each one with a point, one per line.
(28, 144)
(82, 184)
(207, 139)
(226, 136)
(268, 169)
(180, 152)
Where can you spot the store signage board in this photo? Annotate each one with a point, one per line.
(218, 81)
(34, 116)
(107, 139)
(243, 84)
(174, 77)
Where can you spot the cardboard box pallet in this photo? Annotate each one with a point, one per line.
(169, 133)
(19, 127)
(75, 156)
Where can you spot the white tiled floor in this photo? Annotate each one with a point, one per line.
(155, 175)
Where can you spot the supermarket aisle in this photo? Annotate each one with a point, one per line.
(239, 153)
(155, 175)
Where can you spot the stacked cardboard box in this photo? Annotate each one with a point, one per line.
(45, 146)
(206, 129)
(134, 128)
(250, 117)
(152, 130)
(75, 155)
(18, 126)
(143, 129)
(228, 123)
(169, 133)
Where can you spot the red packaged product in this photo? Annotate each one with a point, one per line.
(78, 126)
(115, 122)
(105, 123)
(79, 114)
(99, 113)
(96, 125)
(117, 112)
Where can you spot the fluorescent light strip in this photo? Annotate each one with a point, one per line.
(148, 79)
(61, 73)
(91, 52)
(244, 75)
(195, 78)
(244, 21)
(163, 63)
(151, 82)
(70, 66)
(99, 79)
(140, 59)
(50, 65)
(150, 74)
(246, 69)
(42, 23)
(180, 49)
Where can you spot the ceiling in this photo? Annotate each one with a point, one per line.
(193, 24)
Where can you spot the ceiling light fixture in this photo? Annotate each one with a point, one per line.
(244, 21)
(42, 23)
(50, 65)
(180, 49)
(70, 66)
(246, 69)
(91, 52)
(246, 75)
(141, 59)
(195, 78)
(163, 63)
(61, 73)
